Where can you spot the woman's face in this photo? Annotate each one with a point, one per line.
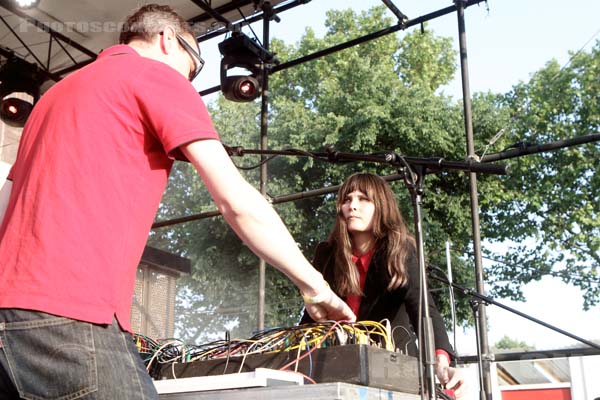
(358, 211)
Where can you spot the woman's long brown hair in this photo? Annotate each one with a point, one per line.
(389, 231)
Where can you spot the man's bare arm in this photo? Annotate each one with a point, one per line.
(258, 225)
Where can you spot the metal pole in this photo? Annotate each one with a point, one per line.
(402, 25)
(426, 338)
(451, 293)
(486, 390)
(264, 110)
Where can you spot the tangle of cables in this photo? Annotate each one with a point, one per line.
(302, 340)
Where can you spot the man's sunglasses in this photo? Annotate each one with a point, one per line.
(195, 54)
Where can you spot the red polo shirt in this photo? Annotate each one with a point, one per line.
(92, 165)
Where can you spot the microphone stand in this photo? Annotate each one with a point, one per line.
(413, 178)
(478, 299)
(432, 164)
(414, 170)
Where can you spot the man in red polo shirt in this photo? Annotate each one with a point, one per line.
(75, 213)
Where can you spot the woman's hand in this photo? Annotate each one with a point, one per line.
(450, 378)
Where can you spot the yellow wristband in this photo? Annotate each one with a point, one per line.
(319, 298)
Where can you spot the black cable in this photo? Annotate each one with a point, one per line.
(249, 26)
(249, 168)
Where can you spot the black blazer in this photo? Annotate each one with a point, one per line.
(400, 306)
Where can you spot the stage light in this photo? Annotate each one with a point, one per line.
(14, 111)
(241, 52)
(248, 86)
(27, 3)
(19, 90)
(241, 88)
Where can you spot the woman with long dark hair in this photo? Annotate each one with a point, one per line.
(370, 260)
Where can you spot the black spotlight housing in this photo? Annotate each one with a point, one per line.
(14, 111)
(18, 76)
(239, 51)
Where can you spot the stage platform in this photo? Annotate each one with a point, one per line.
(320, 391)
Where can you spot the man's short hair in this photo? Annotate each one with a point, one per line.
(150, 20)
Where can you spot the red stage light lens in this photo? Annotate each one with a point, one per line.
(247, 87)
(12, 109)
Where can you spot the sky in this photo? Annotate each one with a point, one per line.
(507, 40)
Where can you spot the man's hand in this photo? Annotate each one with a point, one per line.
(327, 306)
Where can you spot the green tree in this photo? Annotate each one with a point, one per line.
(507, 343)
(549, 206)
